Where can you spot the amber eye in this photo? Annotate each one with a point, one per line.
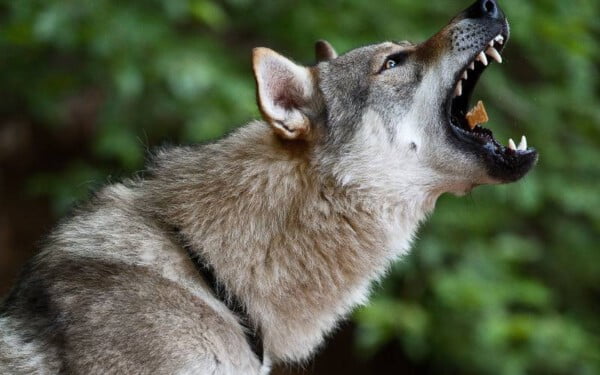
(395, 60)
(390, 63)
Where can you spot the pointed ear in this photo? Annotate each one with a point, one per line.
(284, 92)
(324, 51)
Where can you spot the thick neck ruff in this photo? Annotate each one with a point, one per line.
(230, 300)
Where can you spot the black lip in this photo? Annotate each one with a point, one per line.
(501, 162)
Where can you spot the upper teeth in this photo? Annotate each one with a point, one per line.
(481, 57)
(458, 90)
(494, 54)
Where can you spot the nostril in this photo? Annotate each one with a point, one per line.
(484, 9)
(489, 7)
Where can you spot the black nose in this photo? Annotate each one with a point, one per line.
(488, 8)
(485, 9)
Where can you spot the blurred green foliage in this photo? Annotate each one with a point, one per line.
(505, 281)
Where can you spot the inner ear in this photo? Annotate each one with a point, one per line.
(324, 51)
(284, 90)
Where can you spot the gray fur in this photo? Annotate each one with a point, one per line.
(298, 215)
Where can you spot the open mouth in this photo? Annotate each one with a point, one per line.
(507, 163)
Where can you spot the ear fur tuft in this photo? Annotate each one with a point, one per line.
(284, 90)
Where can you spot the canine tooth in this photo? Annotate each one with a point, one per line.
(511, 144)
(481, 57)
(523, 144)
(458, 91)
(491, 43)
(494, 54)
(465, 76)
(499, 39)
(472, 65)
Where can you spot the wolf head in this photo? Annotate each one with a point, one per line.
(393, 113)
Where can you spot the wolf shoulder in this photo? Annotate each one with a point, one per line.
(113, 292)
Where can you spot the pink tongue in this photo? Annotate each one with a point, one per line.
(477, 115)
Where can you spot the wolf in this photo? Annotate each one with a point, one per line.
(227, 258)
